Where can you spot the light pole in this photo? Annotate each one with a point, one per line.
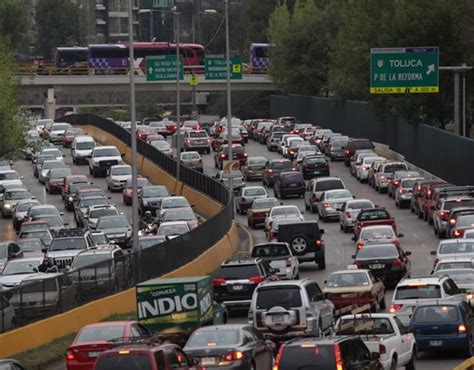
(178, 101)
(133, 137)
(148, 11)
(229, 102)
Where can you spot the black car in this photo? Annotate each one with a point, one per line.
(273, 167)
(70, 192)
(304, 239)
(236, 346)
(336, 353)
(314, 166)
(386, 261)
(150, 197)
(289, 183)
(236, 280)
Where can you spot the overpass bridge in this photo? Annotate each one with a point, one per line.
(56, 91)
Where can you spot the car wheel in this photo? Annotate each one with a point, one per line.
(393, 364)
(411, 364)
(418, 212)
(321, 263)
(306, 207)
(299, 245)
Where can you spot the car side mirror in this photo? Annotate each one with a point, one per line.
(353, 197)
(433, 253)
(353, 256)
(400, 235)
(321, 231)
(407, 253)
(375, 356)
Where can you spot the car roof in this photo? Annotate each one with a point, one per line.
(440, 302)
(243, 261)
(279, 283)
(421, 280)
(347, 271)
(454, 241)
(108, 323)
(327, 178)
(106, 147)
(223, 327)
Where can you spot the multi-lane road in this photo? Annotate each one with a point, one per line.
(419, 237)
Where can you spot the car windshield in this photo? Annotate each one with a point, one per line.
(348, 279)
(436, 314)
(467, 220)
(74, 132)
(112, 223)
(213, 338)
(30, 246)
(147, 243)
(85, 145)
(106, 152)
(253, 192)
(190, 155)
(60, 127)
(99, 334)
(281, 165)
(158, 124)
(448, 205)
(50, 220)
(52, 152)
(317, 357)
(198, 134)
(96, 213)
(292, 177)
(457, 247)
(360, 204)
(63, 244)
(20, 266)
(296, 143)
(377, 233)
(24, 206)
(175, 202)
(374, 215)
(379, 251)
(265, 203)
(177, 229)
(278, 135)
(141, 182)
(150, 192)
(121, 171)
(284, 296)
(9, 176)
(17, 194)
(279, 211)
(238, 271)
(75, 185)
(179, 216)
(91, 259)
(256, 161)
(329, 185)
(53, 164)
(277, 250)
(338, 194)
(131, 361)
(418, 291)
(377, 326)
(60, 173)
(370, 160)
(408, 184)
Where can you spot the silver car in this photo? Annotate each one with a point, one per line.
(162, 146)
(362, 171)
(232, 178)
(192, 160)
(117, 176)
(404, 191)
(253, 168)
(246, 196)
(11, 198)
(330, 201)
(57, 132)
(47, 165)
(453, 248)
(350, 210)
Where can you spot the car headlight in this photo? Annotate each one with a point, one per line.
(70, 199)
(8, 206)
(129, 233)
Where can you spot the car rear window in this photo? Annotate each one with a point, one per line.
(408, 184)
(292, 177)
(458, 203)
(104, 333)
(418, 291)
(270, 251)
(279, 165)
(284, 296)
(457, 247)
(436, 314)
(329, 185)
(395, 167)
(238, 272)
(467, 220)
(361, 144)
(308, 357)
(374, 215)
(131, 361)
(359, 205)
(379, 251)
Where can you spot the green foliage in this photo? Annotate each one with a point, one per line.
(60, 23)
(15, 23)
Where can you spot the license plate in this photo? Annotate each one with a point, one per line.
(278, 319)
(237, 287)
(377, 266)
(94, 354)
(293, 185)
(436, 343)
(316, 172)
(206, 361)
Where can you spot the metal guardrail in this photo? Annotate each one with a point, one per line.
(55, 293)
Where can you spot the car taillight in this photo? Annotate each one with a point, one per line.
(382, 349)
(338, 357)
(360, 244)
(218, 282)
(243, 199)
(394, 241)
(435, 262)
(70, 356)
(288, 262)
(396, 262)
(348, 215)
(462, 329)
(458, 233)
(358, 264)
(188, 141)
(278, 358)
(208, 141)
(326, 205)
(395, 307)
(245, 154)
(452, 221)
(317, 242)
(313, 196)
(222, 155)
(256, 279)
(270, 171)
(443, 215)
(234, 356)
(402, 191)
(347, 152)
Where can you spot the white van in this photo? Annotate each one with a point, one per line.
(81, 149)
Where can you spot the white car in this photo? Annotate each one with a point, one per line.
(53, 152)
(282, 212)
(57, 131)
(280, 257)
(362, 171)
(290, 143)
(81, 148)
(117, 176)
(377, 234)
(350, 210)
(10, 177)
(172, 229)
(283, 141)
(453, 248)
(102, 158)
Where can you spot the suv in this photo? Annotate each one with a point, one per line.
(197, 140)
(289, 183)
(384, 175)
(273, 167)
(348, 352)
(236, 281)
(316, 187)
(411, 292)
(441, 212)
(102, 158)
(353, 145)
(66, 246)
(81, 149)
(293, 308)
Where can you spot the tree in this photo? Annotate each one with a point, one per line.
(15, 24)
(12, 137)
(60, 23)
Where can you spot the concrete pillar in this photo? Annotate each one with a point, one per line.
(50, 104)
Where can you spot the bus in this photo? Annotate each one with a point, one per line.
(72, 59)
(114, 58)
(259, 61)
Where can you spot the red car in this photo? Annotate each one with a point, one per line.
(238, 153)
(55, 179)
(127, 190)
(223, 139)
(95, 338)
(170, 126)
(70, 135)
(68, 180)
(144, 132)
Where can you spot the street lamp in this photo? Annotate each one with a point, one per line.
(148, 11)
(229, 103)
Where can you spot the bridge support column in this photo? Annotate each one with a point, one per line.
(50, 104)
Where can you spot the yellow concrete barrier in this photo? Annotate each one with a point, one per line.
(466, 365)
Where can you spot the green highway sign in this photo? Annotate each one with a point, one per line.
(215, 67)
(404, 70)
(163, 68)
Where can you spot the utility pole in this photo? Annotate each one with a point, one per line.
(229, 101)
(178, 102)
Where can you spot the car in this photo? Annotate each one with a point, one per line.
(413, 291)
(56, 134)
(233, 178)
(163, 147)
(385, 172)
(150, 197)
(289, 183)
(454, 263)
(66, 245)
(173, 202)
(259, 209)
(144, 131)
(48, 165)
(10, 177)
(378, 234)
(336, 148)
(82, 205)
(95, 338)
(314, 166)
(293, 147)
(416, 193)
(81, 149)
(43, 233)
(30, 247)
(262, 131)
(102, 158)
(197, 140)
(461, 224)
(180, 214)
(192, 160)
(397, 177)
(372, 217)
(353, 145)
(127, 189)
(172, 229)
(453, 248)
(287, 309)
(357, 158)
(443, 324)
(53, 151)
(117, 229)
(425, 200)
(362, 171)
(440, 212)
(155, 137)
(404, 190)
(274, 139)
(317, 137)
(355, 287)
(9, 250)
(73, 189)
(374, 168)
(280, 257)
(233, 345)
(282, 212)
(238, 153)
(223, 139)
(246, 196)
(253, 168)
(8, 322)
(272, 168)
(117, 176)
(453, 216)
(37, 165)
(236, 281)
(315, 187)
(330, 202)
(72, 179)
(386, 261)
(70, 134)
(327, 138)
(17, 269)
(21, 210)
(94, 212)
(10, 199)
(272, 233)
(349, 211)
(284, 142)
(54, 222)
(160, 129)
(55, 179)
(462, 276)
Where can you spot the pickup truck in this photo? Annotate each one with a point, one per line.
(280, 258)
(372, 217)
(384, 334)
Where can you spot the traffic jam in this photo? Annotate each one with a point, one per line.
(257, 311)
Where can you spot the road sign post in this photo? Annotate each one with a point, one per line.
(163, 68)
(404, 70)
(215, 67)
